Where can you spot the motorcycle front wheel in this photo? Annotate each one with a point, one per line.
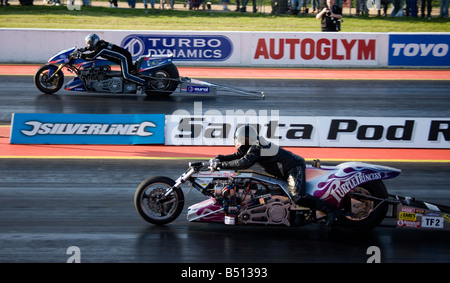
(149, 204)
(44, 81)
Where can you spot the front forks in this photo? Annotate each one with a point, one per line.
(55, 72)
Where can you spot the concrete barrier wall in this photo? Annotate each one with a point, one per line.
(249, 49)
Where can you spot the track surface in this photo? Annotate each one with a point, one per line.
(359, 96)
(48, 205)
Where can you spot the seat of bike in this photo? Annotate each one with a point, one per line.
(138, 62)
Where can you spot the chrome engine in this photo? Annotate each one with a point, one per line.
(252, 201)
(275, 210)
(113, 85)
(102, 79)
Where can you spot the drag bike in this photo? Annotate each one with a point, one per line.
(252, 197)
(160, 75)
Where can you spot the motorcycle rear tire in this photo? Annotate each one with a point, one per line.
(142, 205)
(164, 88)
(56, 83)
(348, 224)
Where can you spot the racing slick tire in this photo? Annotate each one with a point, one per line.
(164, 81)
(363, 214)
(146, 198)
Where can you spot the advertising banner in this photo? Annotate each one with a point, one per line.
(243, 49)
(419, 50)
(389, 132)
(201, 47)
(87, 129)
(317, 49)
(370, 132)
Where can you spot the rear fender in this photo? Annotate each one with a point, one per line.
(147, 64)
(338, 181)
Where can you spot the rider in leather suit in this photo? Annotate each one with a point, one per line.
(252, 149)
(112, 52)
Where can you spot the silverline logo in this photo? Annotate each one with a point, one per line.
(39, 128)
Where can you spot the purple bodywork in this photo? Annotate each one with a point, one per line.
(330, 183)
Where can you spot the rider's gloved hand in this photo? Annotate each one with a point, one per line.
(75, 55)
(215, 164)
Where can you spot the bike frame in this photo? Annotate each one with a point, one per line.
(329, 183)
(146, 66)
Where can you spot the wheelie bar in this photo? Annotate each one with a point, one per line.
(195, 86)
(418, 214)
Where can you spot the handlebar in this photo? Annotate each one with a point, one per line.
(75, 54)
(198, 165)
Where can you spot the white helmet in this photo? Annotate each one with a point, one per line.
(245, 136)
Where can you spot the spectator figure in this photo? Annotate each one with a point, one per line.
(315, 6)
(131, 3)
(25, 2)
(279, 7)
(411, 8)
(385, 5)
(397, 10)
(330, 16)
(224, 5)
(422, 9)
(113, 3)
(193, 4)
(238, 5)
(6, 3)
(296, 6)
(361, 7)
(244, 6)
(152, 3)
(444, 9)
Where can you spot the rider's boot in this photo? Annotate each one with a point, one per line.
(332, 211)
(146, 85)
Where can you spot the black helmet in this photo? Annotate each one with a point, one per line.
(92, 40)
(245, 136)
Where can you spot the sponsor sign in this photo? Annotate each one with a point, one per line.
(87, 129)
(190, 48)
(412, 217)
(271, 49)
(375, 132)
(433, 222)
(316, 49)
(419, 50)
(195, 89)
(408, 216)
(385, 132)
